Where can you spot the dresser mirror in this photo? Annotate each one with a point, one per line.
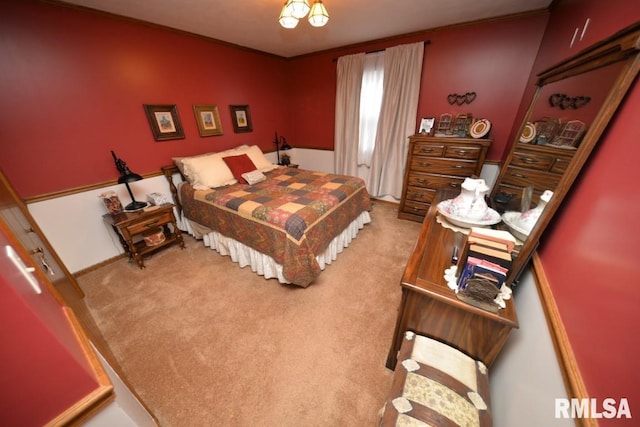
(547, 154)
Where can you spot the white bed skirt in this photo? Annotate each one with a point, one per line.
(263, 264)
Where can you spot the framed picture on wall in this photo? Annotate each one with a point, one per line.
(164, 121)
(241, 118)
(208, 120)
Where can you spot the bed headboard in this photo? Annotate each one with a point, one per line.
(169, 172)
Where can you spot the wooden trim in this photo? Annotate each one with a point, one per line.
(82, 189)
(385, 202)
(94, 401)
(100, 265)
(615, 48)
(568, 365)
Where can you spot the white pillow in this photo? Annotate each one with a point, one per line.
(179, 161)
(203, 169)
(257, 157)
(208, 171)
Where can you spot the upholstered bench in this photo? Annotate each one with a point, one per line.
(437, 385)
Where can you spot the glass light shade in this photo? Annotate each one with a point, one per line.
(286, 19)
(298, 8)
(318, 16)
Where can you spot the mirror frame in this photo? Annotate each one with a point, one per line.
(623, 46)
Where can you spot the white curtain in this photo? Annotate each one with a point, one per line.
(349, 83)
(370, 102)
(402, 74)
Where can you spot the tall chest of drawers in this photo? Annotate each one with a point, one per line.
(540, 166)
(436, 163)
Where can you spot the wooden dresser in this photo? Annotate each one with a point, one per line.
(430, 308)
(541, 166)
(435, 163)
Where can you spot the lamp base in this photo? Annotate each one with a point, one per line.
(135, 206)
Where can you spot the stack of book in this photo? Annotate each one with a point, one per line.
(486, 256)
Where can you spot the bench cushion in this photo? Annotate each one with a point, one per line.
(437, 385)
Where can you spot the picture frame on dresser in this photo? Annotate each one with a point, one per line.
(426, 125)
(208, 120)
(164, 121)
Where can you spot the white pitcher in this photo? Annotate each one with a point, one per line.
(479, 207)
(470, 202)
(528, 219)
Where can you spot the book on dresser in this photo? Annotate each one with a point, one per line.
(486, 249)
(478, 268)
(494, 238)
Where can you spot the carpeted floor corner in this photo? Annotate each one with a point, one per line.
(204, 342)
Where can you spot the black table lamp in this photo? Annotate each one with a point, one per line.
(127, 177)
(282, 145)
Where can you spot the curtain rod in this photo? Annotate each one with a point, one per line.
(426, 42)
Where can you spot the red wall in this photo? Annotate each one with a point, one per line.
(73, 86)
(493, 59)
(75, 82)
(589, 254)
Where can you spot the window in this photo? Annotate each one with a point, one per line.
(370, 102)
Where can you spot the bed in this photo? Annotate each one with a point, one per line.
(285, 223)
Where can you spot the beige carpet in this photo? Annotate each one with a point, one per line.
(204, 342)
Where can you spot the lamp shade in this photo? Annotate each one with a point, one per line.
(298, 8)
(318, 16)
(129, 177)
(287, 20)
(284, 146)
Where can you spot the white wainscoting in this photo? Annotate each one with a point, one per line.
(526, 378)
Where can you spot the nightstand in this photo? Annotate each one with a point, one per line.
(132, 225)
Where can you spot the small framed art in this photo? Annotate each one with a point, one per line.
(241, 118)
(164, 121)
(426, 124)
(208, 120)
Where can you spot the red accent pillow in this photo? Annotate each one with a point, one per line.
(239, 165)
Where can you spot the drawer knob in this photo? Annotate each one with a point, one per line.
(528, 160)
(151, 224)
(424, 165)
(462, 152)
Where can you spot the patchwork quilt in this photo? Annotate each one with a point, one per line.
(291, 216)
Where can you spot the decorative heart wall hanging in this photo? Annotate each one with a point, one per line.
(467, 98)
(564, 101)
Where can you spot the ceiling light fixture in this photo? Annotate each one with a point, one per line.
(294, 10)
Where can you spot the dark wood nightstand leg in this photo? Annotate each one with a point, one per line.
(123, 242)
(178, 234)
